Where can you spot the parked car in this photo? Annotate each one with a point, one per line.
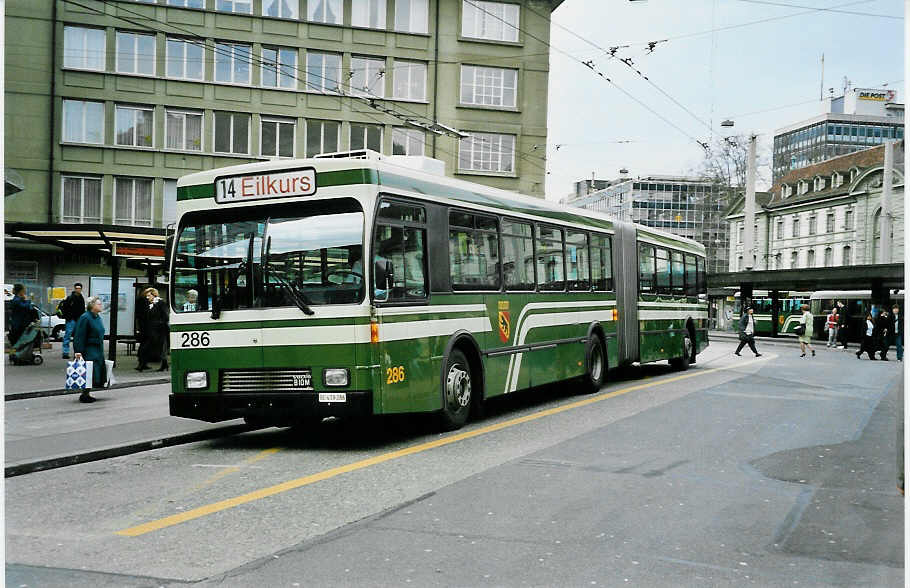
(52, 325)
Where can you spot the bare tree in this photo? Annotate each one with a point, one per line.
(726, 161)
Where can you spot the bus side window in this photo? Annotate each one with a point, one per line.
(601, 263)
(645, 268)
(663, 272)
(517, 255)
(550, 259)
(577, 260)
(702, 277)
(473, 252)
(691, 276)
(677, 273)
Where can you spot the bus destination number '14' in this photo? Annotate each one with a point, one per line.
(195, 339)
(394, 375)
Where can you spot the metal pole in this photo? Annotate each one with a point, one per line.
(886, 216)
(115, 308)
(749, 229)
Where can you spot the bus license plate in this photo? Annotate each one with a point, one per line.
(333, 397)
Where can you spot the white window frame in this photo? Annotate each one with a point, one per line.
(199, 4)
(366, 131)
(285, 73)
(322, 78)
(291, 6)
(846, 254)
(133, 221)
(233, 5)
(795, 228)
(220, 54)
(475, 140)
(84, 135)
(794, 259)
(313, 9)
(413, 23)
(813, 223)
(185, 45)
(488, 80)
(232, 147)
(79, 58)
(404, 73)
(133, 38)
(81, 218)
(368, 76)
(849, 221)
(183, 114)
(414, 141)
(481, 18)
(278, 121)
(135, 110)
(363, 11)
(322, 124)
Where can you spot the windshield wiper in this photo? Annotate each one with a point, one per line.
(296, 295)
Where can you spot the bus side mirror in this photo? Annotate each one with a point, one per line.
(383, 279)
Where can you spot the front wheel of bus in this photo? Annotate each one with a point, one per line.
(456, 391)
(682, 363)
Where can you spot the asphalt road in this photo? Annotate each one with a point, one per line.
(776, 471)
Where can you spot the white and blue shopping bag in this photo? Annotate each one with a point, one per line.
(79, 375)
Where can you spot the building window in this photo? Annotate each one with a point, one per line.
(487, 152)
(323, 71)
(848, 220)
(232, 63)
(410, 82)
(369, 14)
(407, 141)
(488, 86)
(739, 263)
(83, 122)
(184, 130)
(411, 16)
(819, 184)
(133, 202)
(367, 76)
(829, 222)
(279, 67)
(366, 137)
(187, 3)
(829, 257)
(135, 53)
(277, 137)
(794, 259)
(239, 6)
(810, 258)
(848, 255)
(780, 228)
(795, 226)
(837, 180)
(322, 136)
(813, 223)
(134, 126)
(185, 59)
(324, 11)
(232, 132)
(495, 21)
(778, 261)
(81, 199)
(84, 48)
(280, 8)
(742, 233)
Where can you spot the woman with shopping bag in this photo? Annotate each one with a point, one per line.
(88, 343)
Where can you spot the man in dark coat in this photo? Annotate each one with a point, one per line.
(154, 342)
(882, 333)
(843, 324)
(73, 307)
(747, 332)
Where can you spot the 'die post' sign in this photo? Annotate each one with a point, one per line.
(300, 182)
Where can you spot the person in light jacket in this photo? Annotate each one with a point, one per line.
(805, 340)
(88, 343)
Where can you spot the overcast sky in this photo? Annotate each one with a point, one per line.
(726, 74)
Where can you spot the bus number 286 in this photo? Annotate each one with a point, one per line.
(195, 339)
(394, 375)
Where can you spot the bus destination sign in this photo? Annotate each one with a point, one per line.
(300, 182)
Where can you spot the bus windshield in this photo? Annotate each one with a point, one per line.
(266, 257)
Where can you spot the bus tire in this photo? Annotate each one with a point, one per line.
(457, 393)
(682, 363)
(596, 365)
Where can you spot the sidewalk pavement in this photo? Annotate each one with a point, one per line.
(47, 427)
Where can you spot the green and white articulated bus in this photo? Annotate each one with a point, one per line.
(470, 292)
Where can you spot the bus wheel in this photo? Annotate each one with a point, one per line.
(682, 363)
(456, 391)
(596, 361)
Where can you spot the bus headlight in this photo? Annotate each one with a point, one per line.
(196, 380)
(335, 377)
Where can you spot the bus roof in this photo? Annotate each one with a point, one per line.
(372, 168)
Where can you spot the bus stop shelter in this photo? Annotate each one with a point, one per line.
(140, 247)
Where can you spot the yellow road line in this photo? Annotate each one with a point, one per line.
(365, 463)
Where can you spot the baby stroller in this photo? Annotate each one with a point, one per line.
(27, 350)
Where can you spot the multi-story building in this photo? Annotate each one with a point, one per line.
(689, 207)
(859, 119)
(108, 102)
(825, 215)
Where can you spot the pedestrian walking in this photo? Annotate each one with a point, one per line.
(142, 308)
(156, 332)
(73, 307)
(898, 331)
(867, 346)
(831, 327)
(843, 324)
(21, 314)
(747, 333)
(88, 343)
(805, 330)
(884, 324)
